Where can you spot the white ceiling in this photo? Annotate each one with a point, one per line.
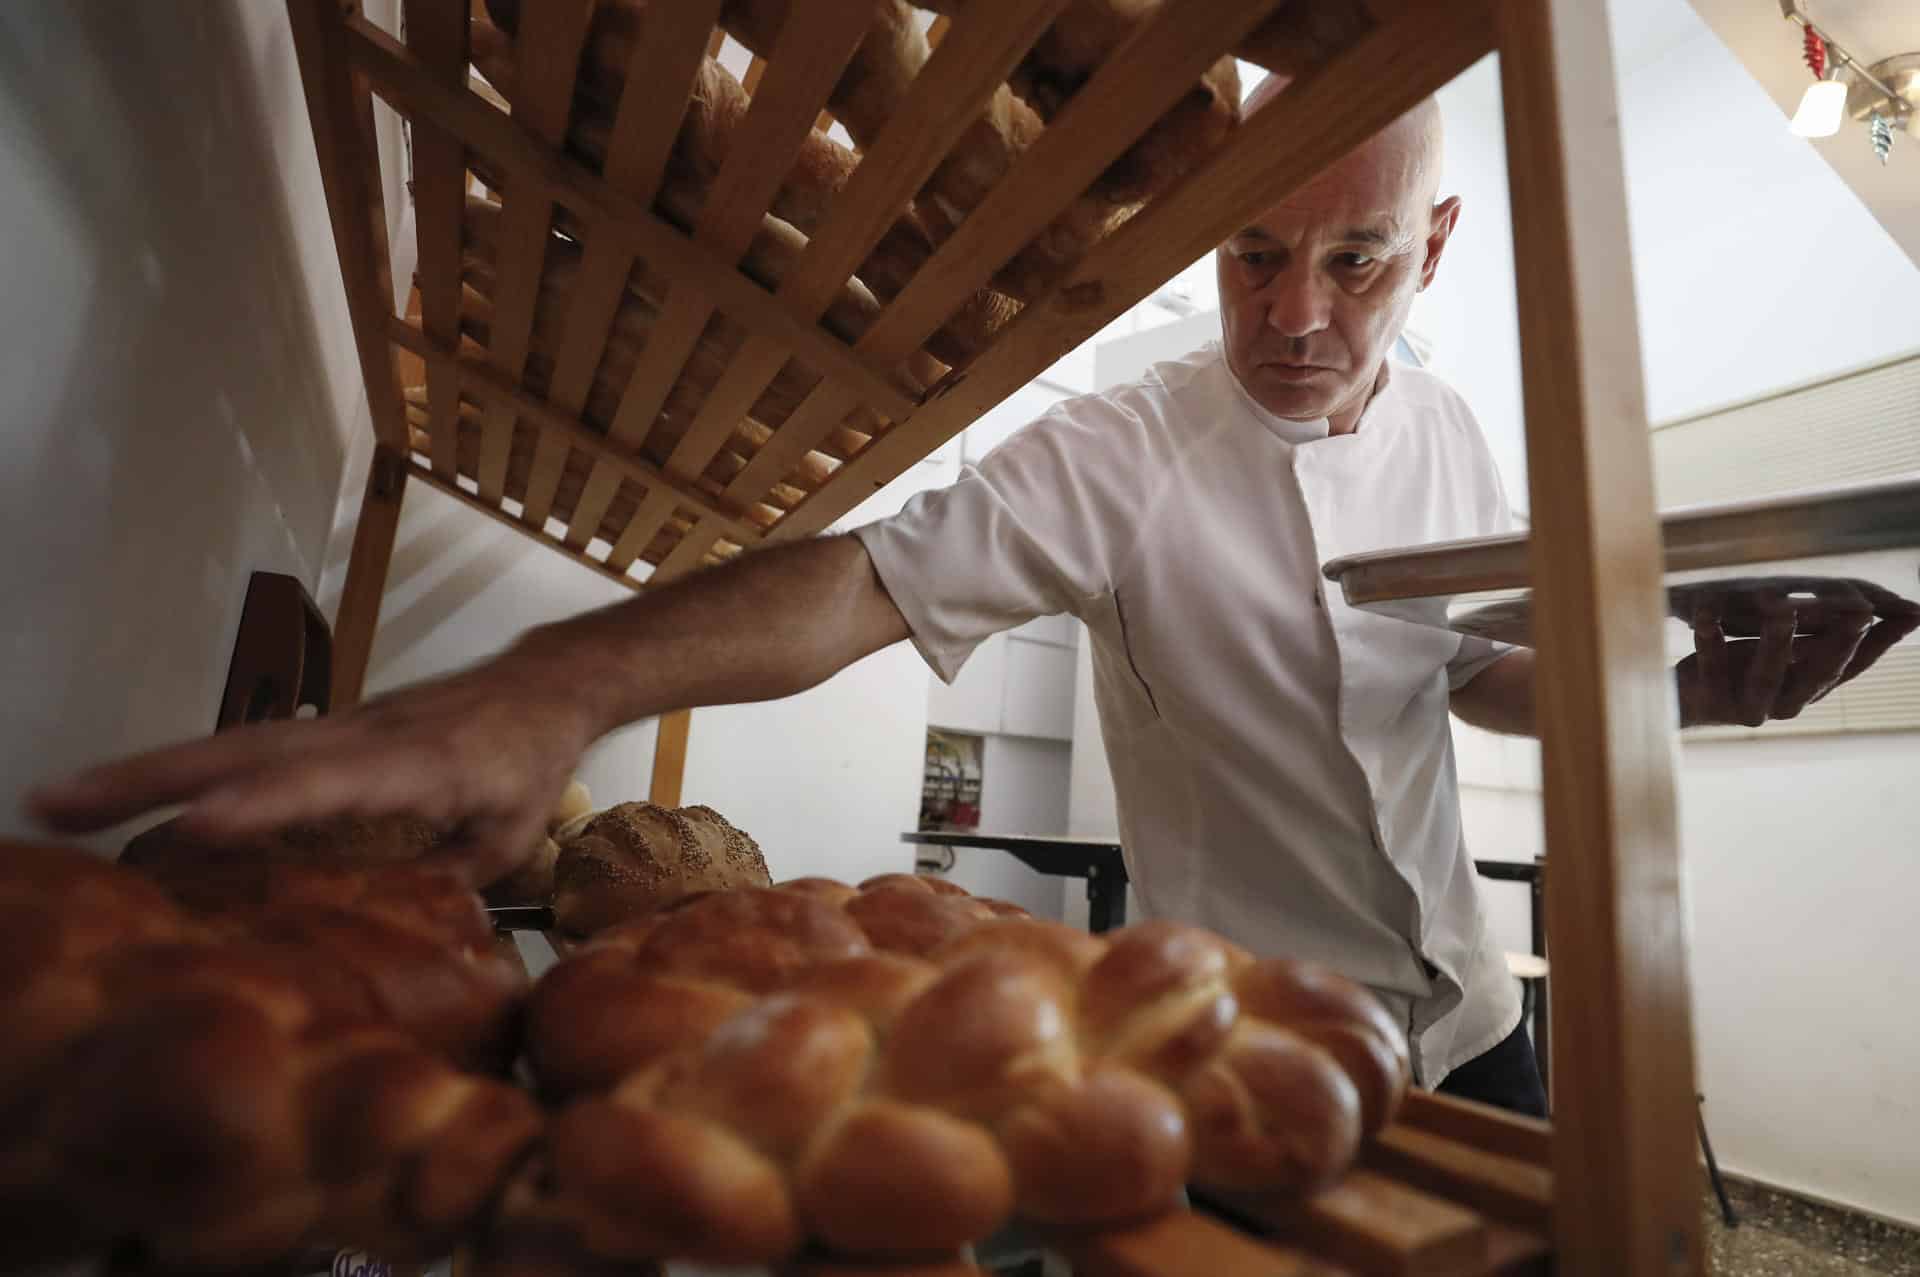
(1768, 46)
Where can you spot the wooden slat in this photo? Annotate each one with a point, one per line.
(751, 80)
(825, 407)
(1284, 145)
(686, 556)
(1481, 1125)
(945, 100)
(1133, 88)
(1622, 1030)
(481, 127)
(437, 33)
(480, 381)
(1506, 1188)
(1373, 1225)
(1182, 1244)
(546, 55)
(350, 174)
(424, 474)
(358, 615)
(909, 1268)
(1137, 85)
(670, 758)
(666, 53)
(1513, 1252)
(807, 60)
(651, 515)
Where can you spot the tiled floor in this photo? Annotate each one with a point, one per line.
(1781, 1236)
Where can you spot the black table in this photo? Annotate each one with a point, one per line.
(1098, 860)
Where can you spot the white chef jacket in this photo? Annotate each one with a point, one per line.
(1283, 763)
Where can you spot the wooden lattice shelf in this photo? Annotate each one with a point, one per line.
(684, 331)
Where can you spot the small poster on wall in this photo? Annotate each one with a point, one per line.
(950, 787)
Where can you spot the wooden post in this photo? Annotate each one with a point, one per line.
(341, 113)
(359, 612)
(670, 758)
(1626, 1185)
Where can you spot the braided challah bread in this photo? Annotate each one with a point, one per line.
(896, 1069)
(411, 936)
(633, 859)
(169, 852)
(220, 1101)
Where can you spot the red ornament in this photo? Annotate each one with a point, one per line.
(1816, 54)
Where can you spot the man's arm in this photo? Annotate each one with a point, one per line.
(1764, 649)
(484, 753)
(1500, 697)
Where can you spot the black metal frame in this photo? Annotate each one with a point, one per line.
(1101, 863)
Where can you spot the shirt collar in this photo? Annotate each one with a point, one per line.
(1296, 433)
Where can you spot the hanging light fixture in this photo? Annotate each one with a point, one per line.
(1822, 108)
(1881, 96)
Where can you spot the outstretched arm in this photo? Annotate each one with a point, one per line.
(484, 753)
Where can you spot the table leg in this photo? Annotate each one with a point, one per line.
(1106, 900)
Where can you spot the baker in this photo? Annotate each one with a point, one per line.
(1283, 763)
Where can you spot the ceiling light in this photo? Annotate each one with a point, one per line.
(1822, 109)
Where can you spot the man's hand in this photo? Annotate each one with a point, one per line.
(482, 755)
(1768, 647)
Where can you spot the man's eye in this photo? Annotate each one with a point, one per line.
(1254, 257)
(1354, 261)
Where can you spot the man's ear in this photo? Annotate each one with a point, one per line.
(1445, 214)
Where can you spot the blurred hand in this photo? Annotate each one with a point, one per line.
(1768, 647)
(481, 756)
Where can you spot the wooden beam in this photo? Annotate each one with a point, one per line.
(1284, 145)
(1371, 1224)
(358, 615)
(350, 175)
(1182, 1244)
(424, 474)
(481, 381)
(437, 33)
(1487, 1128)
(1622, 1032)
(670, 758)
(398, 77)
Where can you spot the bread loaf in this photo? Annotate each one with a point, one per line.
(412, 936)
(874, 1071)
(221, 1101)
(636, 858)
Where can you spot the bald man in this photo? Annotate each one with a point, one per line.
(1283, 764)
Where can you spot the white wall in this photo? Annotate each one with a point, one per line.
(180, 381)
(1802, 874)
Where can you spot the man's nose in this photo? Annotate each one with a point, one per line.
(1298, 303)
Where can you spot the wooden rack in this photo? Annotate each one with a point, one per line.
(624, 496)
(1449, 1190)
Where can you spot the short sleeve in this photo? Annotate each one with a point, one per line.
(1492, 515)
(1032, 531)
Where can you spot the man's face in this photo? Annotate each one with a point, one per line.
(1313, 294)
